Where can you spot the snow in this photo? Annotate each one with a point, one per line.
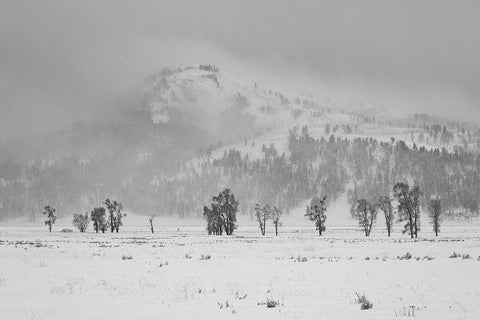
(83, 276)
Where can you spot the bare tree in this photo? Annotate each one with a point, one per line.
(98, 217)
(366, 214)
(214, 220)
(435, 214)
(385, 204)
(316, 213)
(81, 222)
(49, 212)
(262, 214)
(115, 210)
(151, 222)
(408, 207)
(227, 208)
(276, 214)
(259, 215)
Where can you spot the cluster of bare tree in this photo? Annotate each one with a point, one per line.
(265, 213)
(101, 222)
(409, 209)
(222, 215)
(114, 220)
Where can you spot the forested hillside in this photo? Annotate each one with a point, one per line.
(186, 134)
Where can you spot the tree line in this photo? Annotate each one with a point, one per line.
(101, 220)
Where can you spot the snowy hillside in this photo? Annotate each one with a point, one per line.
(185, 133)
(213, 92)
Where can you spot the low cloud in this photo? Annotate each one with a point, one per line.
(62, 61)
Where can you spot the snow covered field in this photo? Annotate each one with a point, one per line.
(185, 274)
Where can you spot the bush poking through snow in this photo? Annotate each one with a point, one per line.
(272, 303)
(225, 305)
(81, 221)
(406, 256)
(128, 257)
(299, 259)
(240, 297)
(205, 257)
(460, 255)
(163, 264)
(364, 303)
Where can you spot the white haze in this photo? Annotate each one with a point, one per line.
(63, 61)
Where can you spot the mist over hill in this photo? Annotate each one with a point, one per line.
(184, 133)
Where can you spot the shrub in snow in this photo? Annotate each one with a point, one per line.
(80, 221)
(364, 303)
(271, 303)
(406, 256)
(460, 255)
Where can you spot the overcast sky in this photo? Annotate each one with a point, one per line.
(64, 60)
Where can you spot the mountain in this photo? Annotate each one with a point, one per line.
(183, 134)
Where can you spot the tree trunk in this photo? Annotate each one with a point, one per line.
(411, 227)
(50, 227)
(276, 229)
(112, 224)
(416, 231)
(264, 224)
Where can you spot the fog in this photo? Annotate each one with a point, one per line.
(61, 61)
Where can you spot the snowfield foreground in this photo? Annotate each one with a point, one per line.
(186, 274)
